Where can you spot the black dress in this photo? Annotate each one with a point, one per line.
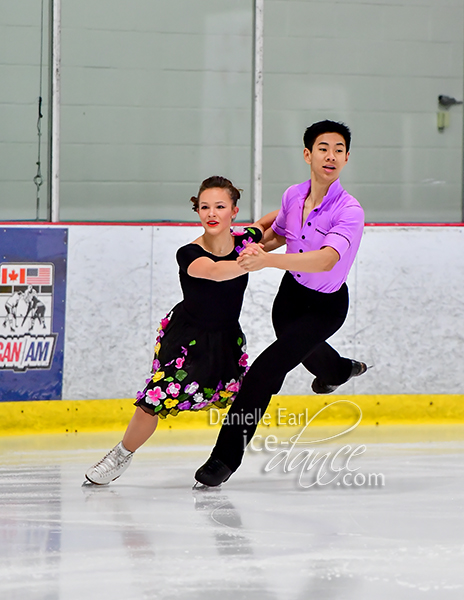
(200, 352)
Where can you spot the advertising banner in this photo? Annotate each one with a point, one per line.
(32, 312)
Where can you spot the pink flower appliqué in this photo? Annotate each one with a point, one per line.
(240, 249)
(173, 389)
(233, 386)
(238, 231)
(155, 395)
(156, 365)
(179, 362)
(243, 360)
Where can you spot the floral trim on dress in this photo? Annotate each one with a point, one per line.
(247, 241)
(173, 399)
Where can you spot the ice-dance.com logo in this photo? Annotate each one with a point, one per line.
(318, 467)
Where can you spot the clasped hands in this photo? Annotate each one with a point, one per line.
(252, 257)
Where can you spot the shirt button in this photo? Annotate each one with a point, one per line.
(298, 275)
(300, 250)
(303, 237)
(309, 224)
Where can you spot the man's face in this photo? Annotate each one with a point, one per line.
(327, 158)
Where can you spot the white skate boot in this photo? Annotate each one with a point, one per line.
(111, 466)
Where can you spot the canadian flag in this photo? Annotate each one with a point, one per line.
(13, 275)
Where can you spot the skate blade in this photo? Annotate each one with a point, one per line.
(201, 487)
(90, 484)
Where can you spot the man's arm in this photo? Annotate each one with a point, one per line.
(266, 221)
(314, 261)
(270, 239)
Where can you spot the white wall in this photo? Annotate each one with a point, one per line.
(379, 66)
(20, 37)
(406, 316)
(157, 96)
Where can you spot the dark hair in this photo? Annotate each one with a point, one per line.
(327, 126)
(216, 182)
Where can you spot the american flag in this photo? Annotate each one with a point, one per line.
(24, 274)
(39, 275)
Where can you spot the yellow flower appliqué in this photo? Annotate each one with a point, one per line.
(157, 376)
(170, 403)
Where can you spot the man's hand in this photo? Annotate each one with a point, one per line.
(253, 258)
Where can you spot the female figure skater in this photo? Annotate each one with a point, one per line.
(200, 357)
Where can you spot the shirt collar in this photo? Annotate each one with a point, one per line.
(333, 192)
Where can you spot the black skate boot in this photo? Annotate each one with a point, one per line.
(319, 387)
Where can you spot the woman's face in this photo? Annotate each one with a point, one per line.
(216, 210)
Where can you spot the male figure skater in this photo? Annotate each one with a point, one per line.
(322, 226)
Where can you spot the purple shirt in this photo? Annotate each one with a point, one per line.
(337, 222)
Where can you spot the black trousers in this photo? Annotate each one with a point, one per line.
(303, 319)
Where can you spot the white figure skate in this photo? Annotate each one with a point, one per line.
(110, 467)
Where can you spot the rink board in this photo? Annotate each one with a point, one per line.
(112, 415)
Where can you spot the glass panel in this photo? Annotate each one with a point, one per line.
(156, 96)
(20, 42)
(379, 68)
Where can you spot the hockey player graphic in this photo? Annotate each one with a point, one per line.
(11, 307)
(35, 307)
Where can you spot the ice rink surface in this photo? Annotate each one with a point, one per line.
(391, 530)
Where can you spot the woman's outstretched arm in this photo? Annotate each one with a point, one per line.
(205, 268)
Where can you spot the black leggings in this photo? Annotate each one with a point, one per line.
(303, 319)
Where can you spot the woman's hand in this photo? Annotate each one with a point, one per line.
(253, 258)
(251, 249)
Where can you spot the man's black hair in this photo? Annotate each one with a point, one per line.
(326, 126)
